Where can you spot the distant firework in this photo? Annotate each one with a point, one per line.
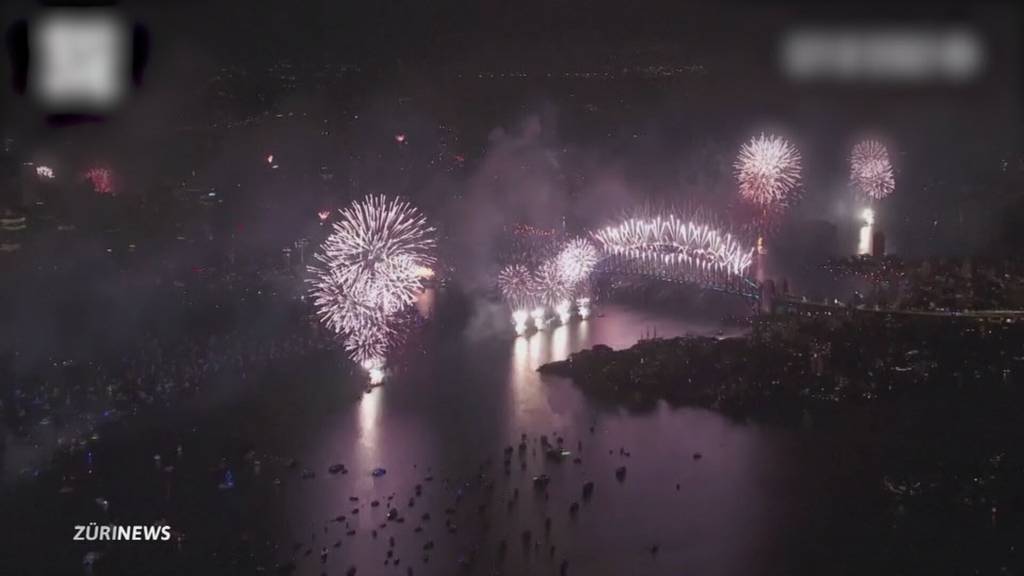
(323, 215)
(368, 271)
(101, 179)
(871, 171)
(44, 172)
(674, 241)
(768, 169)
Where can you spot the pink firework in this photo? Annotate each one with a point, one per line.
(768, 169)
(871, 171)
(101, 179)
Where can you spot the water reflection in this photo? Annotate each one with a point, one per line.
(454, 412)
(369, 426)
(560, 341)
(521, 352)
(536, 344)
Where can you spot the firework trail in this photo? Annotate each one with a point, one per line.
(368, 271)
(871, 171)
(768, 170)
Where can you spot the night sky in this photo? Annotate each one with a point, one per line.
(418, 56)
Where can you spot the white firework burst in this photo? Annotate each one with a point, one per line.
(768, 170)
(516, 285)
(369, 270)
(576, 261)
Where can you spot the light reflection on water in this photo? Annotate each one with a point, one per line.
(466, 403)
(369, 421)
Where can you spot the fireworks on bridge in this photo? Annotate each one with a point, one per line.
(871, 171)
(676, 242)
(369, 270)
(768, 170)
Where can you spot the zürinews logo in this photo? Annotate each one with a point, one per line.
(108, 533)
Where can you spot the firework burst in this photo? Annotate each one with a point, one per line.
(768, 170)
(550, 285)
(871, 171)
(516, 284)
(575, 263)
(368, 271)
